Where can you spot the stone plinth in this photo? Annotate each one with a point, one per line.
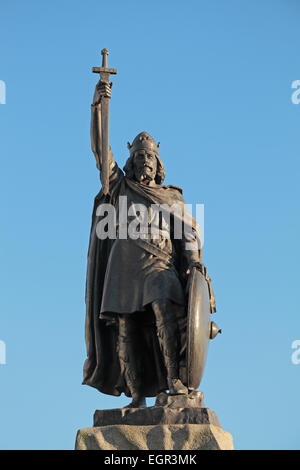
(161, 437)
(154, 416)
(175, 423)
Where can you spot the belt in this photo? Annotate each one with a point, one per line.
(154, 250)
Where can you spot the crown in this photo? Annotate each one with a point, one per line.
(143, 141)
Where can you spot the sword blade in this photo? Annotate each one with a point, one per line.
(105, 145)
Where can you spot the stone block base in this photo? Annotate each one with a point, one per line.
(157, 437)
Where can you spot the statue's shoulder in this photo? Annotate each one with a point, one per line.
(172, 187)
(174, 192)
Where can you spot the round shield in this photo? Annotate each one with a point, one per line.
(198, 328)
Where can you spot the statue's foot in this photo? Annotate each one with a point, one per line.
(138, 402)
(176, 387)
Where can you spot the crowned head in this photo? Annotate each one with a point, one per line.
(144, 164)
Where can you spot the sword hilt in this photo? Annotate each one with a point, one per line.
(104, 70)
(104, 54)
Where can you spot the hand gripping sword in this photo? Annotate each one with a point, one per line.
(104, 72)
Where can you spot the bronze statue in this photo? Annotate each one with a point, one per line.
(137, 287)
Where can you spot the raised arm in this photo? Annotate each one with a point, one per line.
(102, 90)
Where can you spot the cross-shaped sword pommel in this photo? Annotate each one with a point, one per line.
(104, 71)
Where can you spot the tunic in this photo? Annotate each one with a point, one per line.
(134, 276)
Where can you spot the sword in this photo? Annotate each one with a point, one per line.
(104, 72)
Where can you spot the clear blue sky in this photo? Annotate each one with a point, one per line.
(212, 81)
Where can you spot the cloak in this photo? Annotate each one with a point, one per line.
(102, 368)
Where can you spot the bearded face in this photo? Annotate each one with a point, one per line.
(145, 166)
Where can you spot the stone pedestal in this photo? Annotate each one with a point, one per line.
(174, 423)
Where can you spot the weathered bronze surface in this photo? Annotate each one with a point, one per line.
(194, 399)
(138, 322)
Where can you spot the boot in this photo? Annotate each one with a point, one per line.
(129, 368)
(168, 337)
(137, 402)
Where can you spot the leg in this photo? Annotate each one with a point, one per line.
(128, 360)
(168, 336)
